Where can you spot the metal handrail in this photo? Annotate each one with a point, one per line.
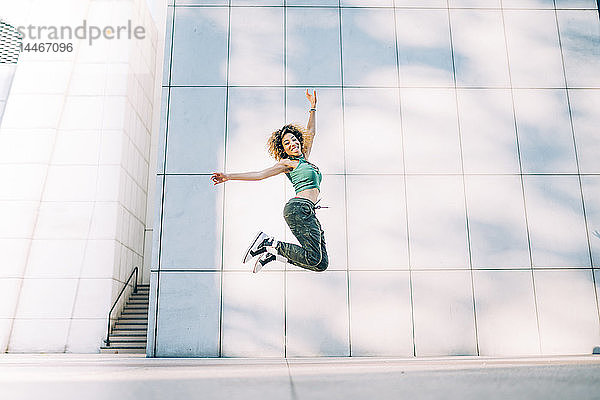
(135, 271)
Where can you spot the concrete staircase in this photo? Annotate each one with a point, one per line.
(129, 332)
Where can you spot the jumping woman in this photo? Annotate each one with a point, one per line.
(291, 146)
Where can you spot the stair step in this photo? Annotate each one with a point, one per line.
(136, 309)
(135, 338)
(137, 301)
(122, 345)
(133, 325)
(134, 341)
(135, 316)
(128, 332)
(135, 313)
(138, 320)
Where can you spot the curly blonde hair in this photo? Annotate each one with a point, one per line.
(274, 145)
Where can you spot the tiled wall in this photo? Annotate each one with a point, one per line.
(74, 155)
(459, 145)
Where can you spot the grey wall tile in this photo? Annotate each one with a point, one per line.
(313, 34)
(479, 61)
(256, 46)
(380, 311)
(586, 119)
(567, 311)
(487, 129)
(445, 322)
(497, 226)
(533, 46)
(188, 314)
(506, 313)
(200, 46)
(253, 314)
(368, 112)
(430, 131)
(317, 314)
(437, 222)
(545, 136)
(196, 134)
(377, 235)
(580, 38)
(556, 224)
(591, 198)
(424, 48)
(369, 57)
(192, 223)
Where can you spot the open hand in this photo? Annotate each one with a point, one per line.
(312, 98)
(218, 177)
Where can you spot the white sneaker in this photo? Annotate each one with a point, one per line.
(257, 246)
(262, 261)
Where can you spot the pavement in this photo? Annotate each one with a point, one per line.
(124, 377)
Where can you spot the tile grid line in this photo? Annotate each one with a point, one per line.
(392, 269)
(401, 86)
(379, 174)
(348, 297)
(462, 174)
(521, 179)
(226, 128)
(585, 221)
(163, 190)
(372, 7)
(403, 150)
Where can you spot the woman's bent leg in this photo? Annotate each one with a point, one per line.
(312, 254)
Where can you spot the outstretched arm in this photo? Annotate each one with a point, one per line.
(281, 166)
(311, 125)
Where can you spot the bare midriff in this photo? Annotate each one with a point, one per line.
(310, 194)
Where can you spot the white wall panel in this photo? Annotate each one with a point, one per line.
(253, 314)
(377, 235)
(498, 230)
(506, 313)
(188, 314)
(556, 224)
(256, 49)
(444, 323)
(368, 42)
(317, 314)
(380, 312)
(437, 222)
(567, 311)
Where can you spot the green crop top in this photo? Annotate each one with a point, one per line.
(305, 175)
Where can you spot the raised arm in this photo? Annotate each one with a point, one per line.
(311, 125)
(281, 166)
